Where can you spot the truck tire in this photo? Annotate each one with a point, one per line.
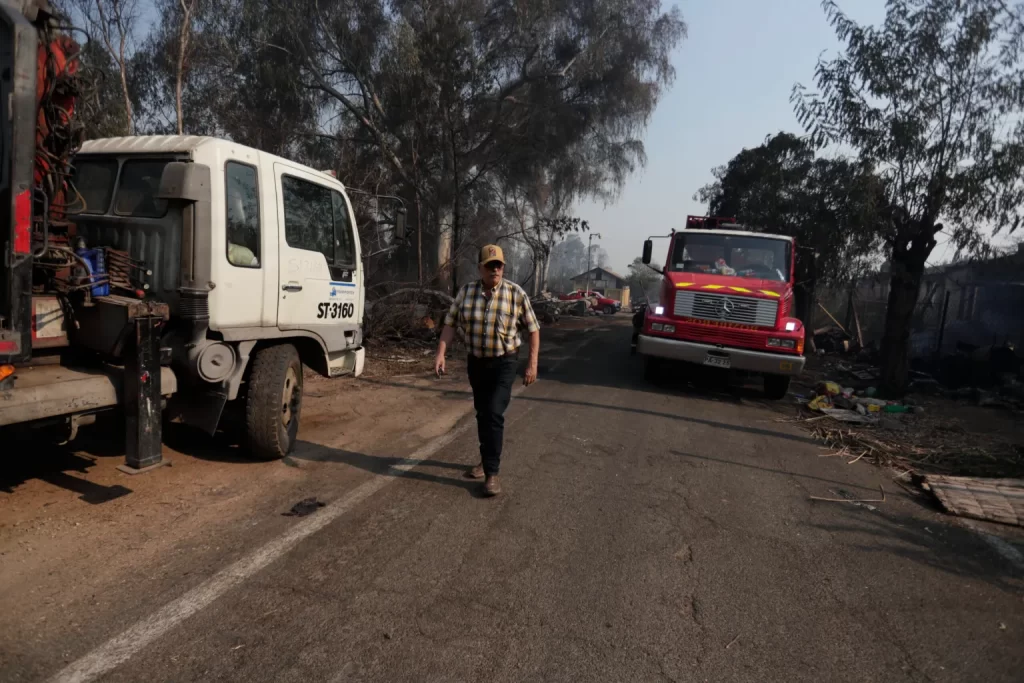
(273, 402)
(609, 310)
(776, 386)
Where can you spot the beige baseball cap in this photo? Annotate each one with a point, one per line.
(492, 252)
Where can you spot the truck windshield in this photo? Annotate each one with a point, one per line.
(735, 255)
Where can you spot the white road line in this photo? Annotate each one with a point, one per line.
(123, 647)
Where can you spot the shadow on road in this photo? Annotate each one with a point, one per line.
(384, 465)
(937, 544)
(771, 470)
(58, 465)
(756, 431)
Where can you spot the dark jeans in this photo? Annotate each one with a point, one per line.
(492, 380)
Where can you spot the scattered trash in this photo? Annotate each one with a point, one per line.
(896, 408)
(820, 403)
(994, 500)
(829, 389)
(870, 391)
(304, 507)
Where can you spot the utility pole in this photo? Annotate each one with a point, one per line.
(589, 240)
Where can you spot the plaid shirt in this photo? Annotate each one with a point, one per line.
(490, 326)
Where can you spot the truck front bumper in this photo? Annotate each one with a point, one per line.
(739, 359)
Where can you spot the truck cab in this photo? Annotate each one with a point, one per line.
(726, 301)
(189, 272)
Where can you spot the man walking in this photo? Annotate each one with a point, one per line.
(488, 314)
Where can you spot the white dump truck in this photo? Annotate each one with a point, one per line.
(180, 273)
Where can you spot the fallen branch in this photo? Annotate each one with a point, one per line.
(853, 500)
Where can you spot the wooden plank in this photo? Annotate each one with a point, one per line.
(856, 321)
(833, 318)
(995, 500)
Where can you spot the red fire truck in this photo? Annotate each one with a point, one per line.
(726, 302)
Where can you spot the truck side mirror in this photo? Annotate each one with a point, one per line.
(400, 214)
(648, 250)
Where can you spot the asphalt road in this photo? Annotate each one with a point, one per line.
(645, 534)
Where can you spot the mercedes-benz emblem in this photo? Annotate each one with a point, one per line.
(725, 309)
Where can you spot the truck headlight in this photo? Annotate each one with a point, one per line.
(791, 326)
(782, 343)
(659, 310)
(662, 327)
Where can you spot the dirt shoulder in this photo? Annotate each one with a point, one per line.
(73, 527)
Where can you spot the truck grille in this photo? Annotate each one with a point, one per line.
(743, 310)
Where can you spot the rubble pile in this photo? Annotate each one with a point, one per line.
(917, 435)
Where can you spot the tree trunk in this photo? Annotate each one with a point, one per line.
(907, 268)
(444, 247)
(183, 40)
(545, 270)
(538, 268)
(419, 240)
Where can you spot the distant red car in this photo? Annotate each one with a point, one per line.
(601, 302)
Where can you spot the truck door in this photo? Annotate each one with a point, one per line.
(319, 274)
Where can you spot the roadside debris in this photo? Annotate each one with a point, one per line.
(926, 433)
(409, 313)
(304, 507)
(993, 500)
(852, 500)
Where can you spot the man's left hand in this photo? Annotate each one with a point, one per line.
(530, 376)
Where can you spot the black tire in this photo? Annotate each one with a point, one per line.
(776, 386)
(609, 310)
(273, 403)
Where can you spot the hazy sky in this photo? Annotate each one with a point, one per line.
(734, 74)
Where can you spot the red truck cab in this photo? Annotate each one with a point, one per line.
(727, 302)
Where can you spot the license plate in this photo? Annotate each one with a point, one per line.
(717, 361)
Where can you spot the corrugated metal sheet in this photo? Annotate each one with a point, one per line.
(146, 144)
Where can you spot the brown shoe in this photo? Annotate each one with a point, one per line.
(492, 486)
(476, 472)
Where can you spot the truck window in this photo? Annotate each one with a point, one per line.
(243, 215)
(346, 252)
(94, 179)
(136, 193)
(739, 256)
(308, 216)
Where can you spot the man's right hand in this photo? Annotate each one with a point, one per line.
(439, 364)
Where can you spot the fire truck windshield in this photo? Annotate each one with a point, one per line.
(734, 255)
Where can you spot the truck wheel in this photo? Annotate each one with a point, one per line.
(776, 386)
(274, 402)
(609, 310)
